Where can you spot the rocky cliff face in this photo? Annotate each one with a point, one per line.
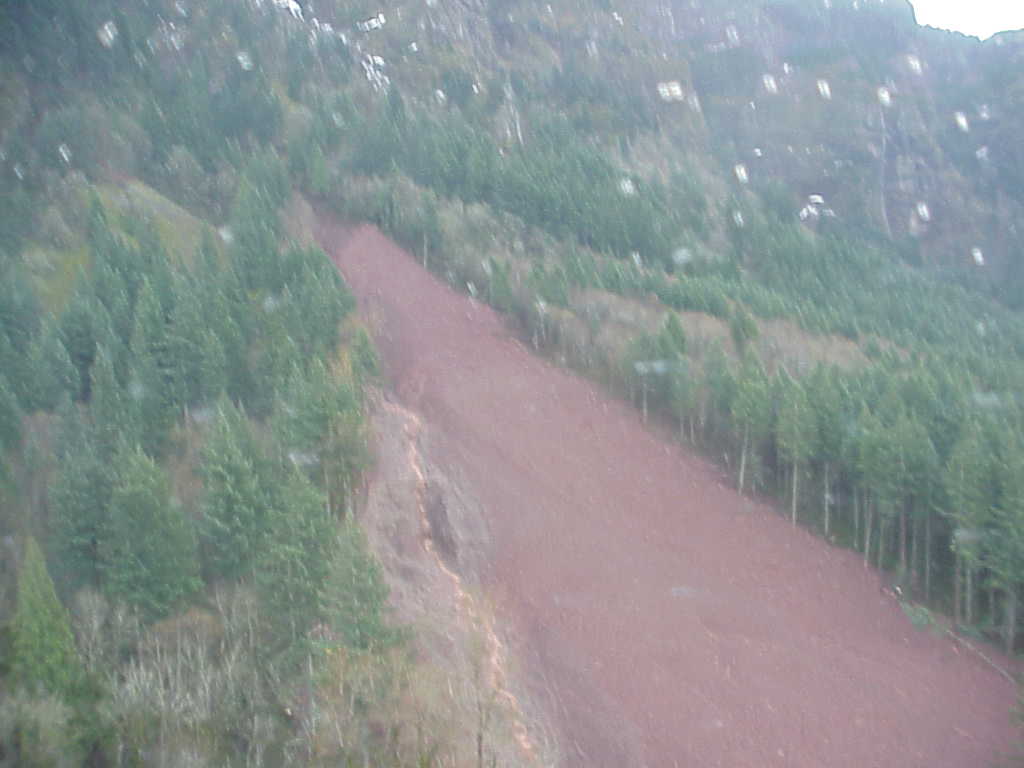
(901, 133)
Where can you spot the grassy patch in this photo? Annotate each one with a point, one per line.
(54, 271)
(179, 230)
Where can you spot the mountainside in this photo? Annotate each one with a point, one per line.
(907, 133)
(783, 231)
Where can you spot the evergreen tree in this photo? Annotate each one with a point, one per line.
(1007, 557)
(751, 412)
(967, 481)
(795, 433)
(156, 371)
(149, 558)
(235, 506)
(213, 369)
(254, 253)
(80, 496)
(43, 648)
(355, 596)
(830, 413)
(54, 373)
(188, 338)
(683, 398)
(293, 566)
(920, 472)
(114, 413)
(79, 333)
(878, 468)
(19, 323)
(319, 419)
(10, 416)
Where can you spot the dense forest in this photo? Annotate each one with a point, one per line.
(183, 405)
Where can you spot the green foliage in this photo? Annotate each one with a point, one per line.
(319, 423)
(10, 417)
(355, 594)
(967, 483)
(156, 381)
(743, 327)
(43, 647)
(556, 182)
(364, 355)
(149, 558)
(54, 373)
(796, 422)
(80, 497)
(293, 567)
(236, 501)
(39, 732)
(115, 413)
(19, 322)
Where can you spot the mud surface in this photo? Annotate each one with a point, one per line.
(661, 618)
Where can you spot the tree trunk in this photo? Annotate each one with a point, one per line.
(927, 556)
(327, 488)
(827, 500)
(796, 480)
(743, 456)
(883, 528)
(867, 533)
(1011, 620)
(970, 595)
(956, 589)
(903, 543)
(915, 534)
(856, 519)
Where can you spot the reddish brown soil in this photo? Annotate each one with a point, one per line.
(665, 620)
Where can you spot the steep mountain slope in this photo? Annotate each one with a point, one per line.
(906, 132)
(785, 229)
(662, 618)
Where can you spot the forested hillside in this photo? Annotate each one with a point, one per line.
(817, 284)
(182, 420)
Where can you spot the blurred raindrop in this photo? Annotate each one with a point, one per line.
(107, 34)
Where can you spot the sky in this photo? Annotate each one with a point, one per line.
(980, 18)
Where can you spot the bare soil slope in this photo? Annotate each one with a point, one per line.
(663, 619)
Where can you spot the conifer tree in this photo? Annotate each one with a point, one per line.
(293, 566)
(235, 506)
(795, 432)
(149, 558)
(213, 369)
(114, 412)
(751, 412)
(967, 481)
(79, 333)
(188, 331)
(830, 413)
(54, 373)
(155, 371)
(80, 496)
(1007, 558)
(318, 417)
(43, 648)
(10, 416)
(355, 595)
